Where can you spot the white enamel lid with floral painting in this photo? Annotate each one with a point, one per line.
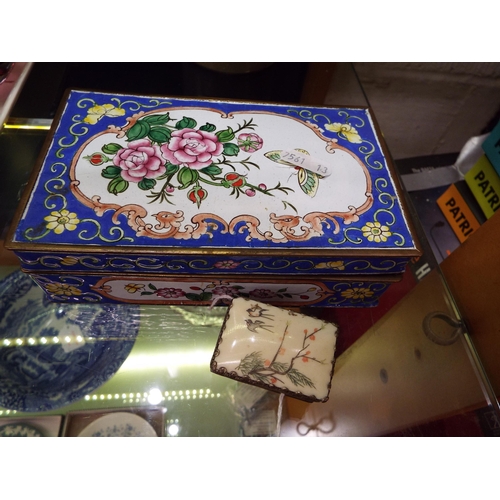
(141, 171)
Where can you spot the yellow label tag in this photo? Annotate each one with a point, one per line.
(484, 183)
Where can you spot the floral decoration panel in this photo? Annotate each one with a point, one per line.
(171, 290)
(134, 171)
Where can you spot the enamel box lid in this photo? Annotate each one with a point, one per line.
(136, 172)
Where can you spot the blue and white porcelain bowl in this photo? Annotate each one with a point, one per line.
(52, 355)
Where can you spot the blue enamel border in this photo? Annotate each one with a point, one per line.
(208, 264)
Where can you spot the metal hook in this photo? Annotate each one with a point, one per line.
(438, 339)
(316, 427)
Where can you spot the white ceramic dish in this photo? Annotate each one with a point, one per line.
(120, 424)
(19, 430)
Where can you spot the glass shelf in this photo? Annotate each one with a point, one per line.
(407, 367)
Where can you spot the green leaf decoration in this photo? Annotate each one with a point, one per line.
(252, 361)
(208, 127)
(147, 293)
(111, 172)
(195, 297)
(185, 123)
(187, 177)
(266, 379)
(230, 149)
(160, 135)
(225, 135)
(157, 119)
(152, 287)
(138, 131)
(279, 367)
(111, 149)
(171, 169)
(212, 170)
(146, 184)
(117, 185)
(299, 379)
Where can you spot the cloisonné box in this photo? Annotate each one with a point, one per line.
(175, 201)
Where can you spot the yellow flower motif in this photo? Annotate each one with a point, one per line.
(357, 293)
(348, 131)
(69, 261)
(333, 264)
(63, 289)
(59, 221)
(374, 231)
(133, 287)
(95, 113)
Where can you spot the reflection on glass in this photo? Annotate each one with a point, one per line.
(173, 430)
(154, 397)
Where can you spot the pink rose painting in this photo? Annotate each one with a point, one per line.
(166, 156)
(140, 160)
(192, 148)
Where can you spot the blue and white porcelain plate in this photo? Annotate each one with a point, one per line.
(120, 424)
(52, 355)
(19, 430)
